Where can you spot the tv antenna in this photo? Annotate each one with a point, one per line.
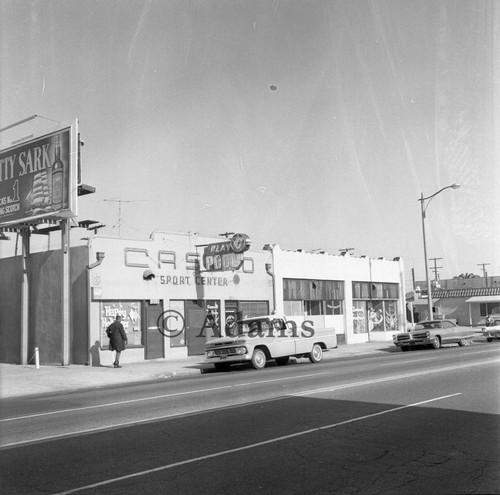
(120, 201)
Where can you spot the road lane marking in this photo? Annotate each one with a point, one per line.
(252, 446)
(409, 360)
(281, 379)
(391, 378)
(482, 352)
(156, 397)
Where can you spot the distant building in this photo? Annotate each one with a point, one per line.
(467, 300)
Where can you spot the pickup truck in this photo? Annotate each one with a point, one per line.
(264, 338)
(434, 333)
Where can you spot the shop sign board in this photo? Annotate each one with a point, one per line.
(227, 255)
(38, 178)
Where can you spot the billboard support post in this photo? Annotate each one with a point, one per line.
(25, 240)
(66, 290)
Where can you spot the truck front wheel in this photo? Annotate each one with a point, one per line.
(316, 354)
(258, 359)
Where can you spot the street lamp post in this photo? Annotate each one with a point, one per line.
(424, 206)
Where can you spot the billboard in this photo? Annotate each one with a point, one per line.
(38, 178)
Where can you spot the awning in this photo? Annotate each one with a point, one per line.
(483, 299)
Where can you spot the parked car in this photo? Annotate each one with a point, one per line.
(491, 328)
(434, 333)
(263, 338)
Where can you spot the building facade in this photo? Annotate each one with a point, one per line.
(176, 290)
(362, 298)
(170, 302)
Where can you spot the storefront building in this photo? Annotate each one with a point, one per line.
(361, 298)
(173, 291)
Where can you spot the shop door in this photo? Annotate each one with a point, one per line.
(201, 317)
(195, 318)
(154, 338)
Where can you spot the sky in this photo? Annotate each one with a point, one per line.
(311, 124)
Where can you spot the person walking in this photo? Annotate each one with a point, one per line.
(117, 339)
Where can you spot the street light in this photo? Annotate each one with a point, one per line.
(424, 207)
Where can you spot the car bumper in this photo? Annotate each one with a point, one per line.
(492, 335)
(414, 343)
(232, 358)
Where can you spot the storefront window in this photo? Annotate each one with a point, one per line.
(378, 305)
(313, 307)
(312, 290)
(375, 316)
(391, 316)
(293, 308)
(313, 297)
(334, 307)
(486, 309)
(374, 290)
(249, 309)
(130, 311)
(359, 317)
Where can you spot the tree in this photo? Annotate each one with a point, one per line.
(466, 275)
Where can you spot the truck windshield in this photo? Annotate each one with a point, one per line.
(254, 326)
(264, 326)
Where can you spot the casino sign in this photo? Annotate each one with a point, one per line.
(227, 255)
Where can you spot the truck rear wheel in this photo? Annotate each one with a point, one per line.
(316, 354)
(258, 359)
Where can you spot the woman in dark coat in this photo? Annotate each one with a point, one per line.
(117, 339)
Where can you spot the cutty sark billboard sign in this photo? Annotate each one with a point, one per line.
(38, 178)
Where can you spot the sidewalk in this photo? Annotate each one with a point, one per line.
(24, 380)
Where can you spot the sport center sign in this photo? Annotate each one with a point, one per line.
(227, 255)
(38, 178)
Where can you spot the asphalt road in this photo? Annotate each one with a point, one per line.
(417, 422)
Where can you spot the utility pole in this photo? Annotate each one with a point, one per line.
(485, 273)
(435, 269)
